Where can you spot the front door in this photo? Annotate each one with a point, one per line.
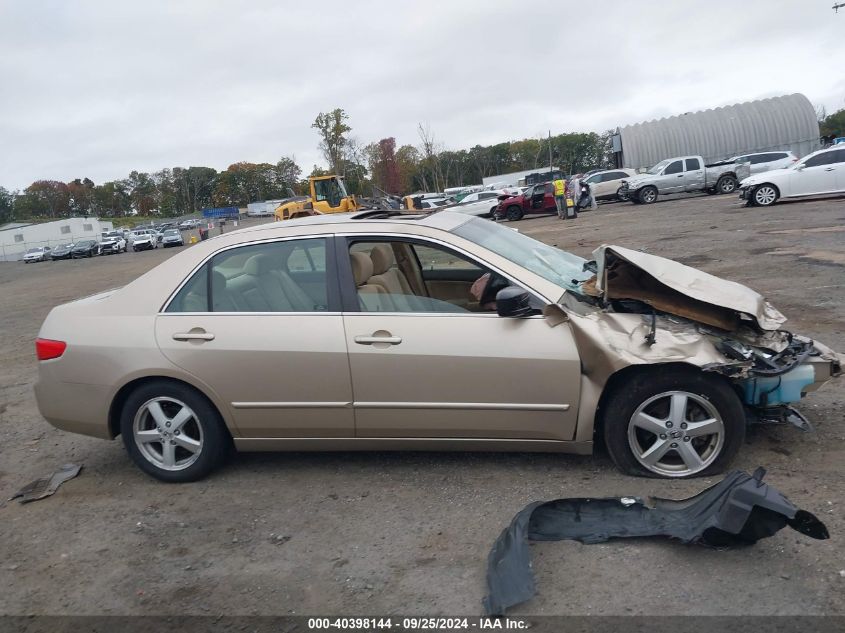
(430, 358)
(672, 180)
(260, 324)
(819, 174)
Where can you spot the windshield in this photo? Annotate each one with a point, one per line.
(34, 250)
(559, 267)
(171, 232)
(85, 243)
(656, 169)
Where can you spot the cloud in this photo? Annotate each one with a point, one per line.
(98, 88)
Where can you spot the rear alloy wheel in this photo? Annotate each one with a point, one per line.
(726, 184)
(678, 424)
(648, 195)
(514, 213)
(173, 433)
(765, 195)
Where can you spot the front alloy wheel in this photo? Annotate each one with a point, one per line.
(765, 195)
(648, 195)
(672, 421)
(676, 433)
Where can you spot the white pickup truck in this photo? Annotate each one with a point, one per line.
(679, 175)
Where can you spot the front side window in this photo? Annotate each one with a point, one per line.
(559, 267)
(825, 158)
(675, 168)
(421, 277)
(287, 276)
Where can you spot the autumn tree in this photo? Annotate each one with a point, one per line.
(49, 198)
(332, 128)
(81, 193)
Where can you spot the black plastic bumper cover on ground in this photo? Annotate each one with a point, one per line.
(739, 510)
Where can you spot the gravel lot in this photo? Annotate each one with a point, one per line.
(367, 533)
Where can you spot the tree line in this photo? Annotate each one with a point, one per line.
(427, 166)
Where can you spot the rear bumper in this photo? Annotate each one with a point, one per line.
(74, 407)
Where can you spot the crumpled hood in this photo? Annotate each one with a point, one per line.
(668, 286)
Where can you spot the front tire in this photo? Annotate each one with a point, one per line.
(676, 423)
(765, 195)
(172, 432)
(514, 213)
(647, 195)
(624, 197)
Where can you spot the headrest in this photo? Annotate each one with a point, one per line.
(383, 258)
(218, 282)
(362, 267)
(259, 264)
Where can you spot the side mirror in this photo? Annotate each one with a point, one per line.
(800, 166)
(514, 302)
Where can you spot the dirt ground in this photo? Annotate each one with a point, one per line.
(369, 533)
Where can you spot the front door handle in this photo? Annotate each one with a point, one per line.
(829, 169)
(193, 336)
(373, 340)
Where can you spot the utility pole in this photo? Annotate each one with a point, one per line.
(838, 6)
(550, 153)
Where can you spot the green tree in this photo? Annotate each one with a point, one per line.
(833, 124)
(7, 206)
(333, 130)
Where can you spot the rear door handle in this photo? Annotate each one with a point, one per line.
(829, 169)
(193, 336)
(370, 340)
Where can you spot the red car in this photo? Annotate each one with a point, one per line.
(538, 198)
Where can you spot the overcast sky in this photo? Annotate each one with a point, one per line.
(96, 89)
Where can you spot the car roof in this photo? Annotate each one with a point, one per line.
(444, 220)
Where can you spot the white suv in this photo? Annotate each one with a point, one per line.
(818, 174)
(143, 239)
(766, 161)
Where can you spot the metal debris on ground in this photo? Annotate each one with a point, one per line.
(739, 510)
(46, 486)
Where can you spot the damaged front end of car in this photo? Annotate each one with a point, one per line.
(641, 309)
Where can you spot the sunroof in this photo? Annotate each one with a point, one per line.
(377, 214)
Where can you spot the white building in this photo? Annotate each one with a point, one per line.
(17, 237)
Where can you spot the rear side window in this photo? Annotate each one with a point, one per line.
(288, 276)
(693, 164)
(675, 168)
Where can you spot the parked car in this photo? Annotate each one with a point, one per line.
(819, 173)
(229, 336)
(143, 240)
(62, 252)
(607, 185)
(172, 237)
(479, 208)
(679, 175)
(113, 242)
(37, 254)
(85, 248)
(539, 198)
(483, 195)
(765, 161)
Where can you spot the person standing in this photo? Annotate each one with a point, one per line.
(560, 197)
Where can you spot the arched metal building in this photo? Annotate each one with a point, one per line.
(779, 123)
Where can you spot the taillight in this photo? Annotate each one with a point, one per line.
(45, 349)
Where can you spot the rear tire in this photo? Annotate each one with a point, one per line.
(726, 185)
(647, 417)
(514, 213)
(172, 432)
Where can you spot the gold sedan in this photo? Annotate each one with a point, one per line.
(435, 331)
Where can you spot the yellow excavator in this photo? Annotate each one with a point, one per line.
(328, 195)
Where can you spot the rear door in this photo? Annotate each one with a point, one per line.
(693, 174)
(266, 334)
(439, 365)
